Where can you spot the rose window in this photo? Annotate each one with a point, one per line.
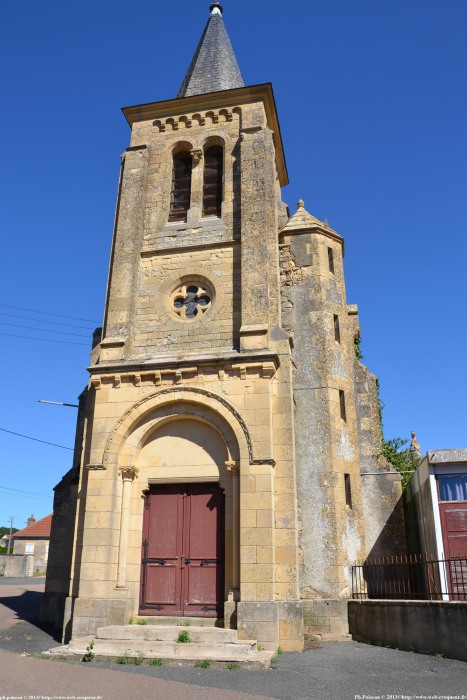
(191, 301)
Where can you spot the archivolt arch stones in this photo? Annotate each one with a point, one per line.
(206, 405)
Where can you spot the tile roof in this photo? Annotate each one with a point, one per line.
(214, 66)
(40, 529)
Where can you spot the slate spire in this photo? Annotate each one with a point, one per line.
(214, 66)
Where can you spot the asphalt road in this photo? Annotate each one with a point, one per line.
(331, 671)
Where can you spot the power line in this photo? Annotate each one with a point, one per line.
(47, 340)
(48, 313)
(28, 437)
(44, 330)
(39, 320)
(31, 493)
(22, 494)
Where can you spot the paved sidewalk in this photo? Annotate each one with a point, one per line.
(25, 678)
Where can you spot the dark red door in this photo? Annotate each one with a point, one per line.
(182, 570)
(454, 527)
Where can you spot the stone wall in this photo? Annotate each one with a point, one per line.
(426, 627)
(16, 565)
(57, 586)
(39, 552)
(314, 312)
(381, 485)
(325, 619)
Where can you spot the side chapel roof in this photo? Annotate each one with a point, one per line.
(214, 66)
(302, 220)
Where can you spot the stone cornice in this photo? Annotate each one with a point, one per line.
(313, 229)
(201, 360)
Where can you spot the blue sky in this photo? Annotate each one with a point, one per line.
(373, 110)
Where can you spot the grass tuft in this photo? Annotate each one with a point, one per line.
(126, 659)
(89, 655)
(183, 637)
(156, 662)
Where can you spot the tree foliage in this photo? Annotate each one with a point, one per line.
(394, 450)
(400, 457)
(6, 531)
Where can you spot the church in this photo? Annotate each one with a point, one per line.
(227, 459)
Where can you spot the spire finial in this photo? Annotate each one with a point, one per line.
(216, 8)
(300, 204)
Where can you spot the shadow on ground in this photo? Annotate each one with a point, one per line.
(27, 606)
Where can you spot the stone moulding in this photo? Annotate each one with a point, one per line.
(186, 122)
(265, 368)
(171, 395)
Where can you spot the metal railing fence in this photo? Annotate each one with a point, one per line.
(411, 577)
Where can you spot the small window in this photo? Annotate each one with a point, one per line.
(212, 181)
(348, 490)
(342, 404)
(331, 260)
(337, 330)
(29, 548)
(453, 488)
(181, 187)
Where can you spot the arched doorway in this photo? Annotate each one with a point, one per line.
(183, 555)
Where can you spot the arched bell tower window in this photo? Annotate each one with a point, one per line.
(181, 186)
(212, 181)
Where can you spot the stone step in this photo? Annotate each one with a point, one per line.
(167, 633)
(167, 620)
(146, 642)
(160, 649)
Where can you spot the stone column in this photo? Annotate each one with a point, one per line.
(234, 469)
(230, 605)
(128, 474)
(196, 201)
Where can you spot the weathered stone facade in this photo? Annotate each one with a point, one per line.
(261, 393)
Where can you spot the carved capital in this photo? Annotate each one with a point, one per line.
(196, 154)
(128, 473)
(232, 467)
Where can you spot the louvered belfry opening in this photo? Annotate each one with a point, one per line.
(212, 184)
(181, 186)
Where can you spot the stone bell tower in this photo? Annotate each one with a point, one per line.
(219, 448)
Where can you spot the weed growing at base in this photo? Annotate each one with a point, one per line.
(183, 637)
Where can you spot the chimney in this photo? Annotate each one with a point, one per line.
(31, 520)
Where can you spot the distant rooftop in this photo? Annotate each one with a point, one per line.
(39, 530)
(214, 66)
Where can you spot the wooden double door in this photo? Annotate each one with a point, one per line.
(182, 569)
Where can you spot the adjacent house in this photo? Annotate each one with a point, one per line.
(436, 506)
(34, 539)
